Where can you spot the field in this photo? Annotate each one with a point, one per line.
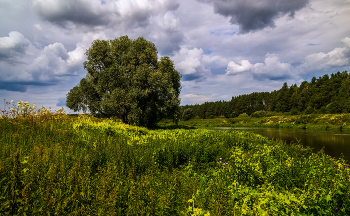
(86, 166)
(311, 121)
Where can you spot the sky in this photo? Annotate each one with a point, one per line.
(222, 48)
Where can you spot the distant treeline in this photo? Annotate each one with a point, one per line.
(323, 95)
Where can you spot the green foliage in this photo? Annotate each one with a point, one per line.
(262, 113)
(187, 114)
(309, 110)
(294, 111)
(323, 95)
(234, 115)
(126, 80)
(89, 166)
(243, 115)
(313, 121)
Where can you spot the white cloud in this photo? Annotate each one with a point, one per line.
(346, 41)
(234, 68)
(190, 63)
(168, 21)
(13, 46)
(272, 69)
(48, 64)
(338, 57)
(193, 98)
(38, 27)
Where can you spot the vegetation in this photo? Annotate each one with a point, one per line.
(126, 80)
(325, 95)
(66, 165)
(311, 121)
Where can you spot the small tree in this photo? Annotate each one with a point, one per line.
(126, 80)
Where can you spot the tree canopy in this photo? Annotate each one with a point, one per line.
(125, 80)
(327, 94)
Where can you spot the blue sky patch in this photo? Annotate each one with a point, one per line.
(207, 52)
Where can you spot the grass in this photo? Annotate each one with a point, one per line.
(312, 121)
(61, 165)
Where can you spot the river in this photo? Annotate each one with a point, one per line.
(334, 142)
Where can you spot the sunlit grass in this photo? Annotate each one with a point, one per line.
(86, 166)
(312, 121)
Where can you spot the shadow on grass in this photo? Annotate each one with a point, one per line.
(170, 127)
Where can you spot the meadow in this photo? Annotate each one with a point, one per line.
(64, 165)
(280, 120)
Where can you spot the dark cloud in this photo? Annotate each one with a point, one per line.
(171, 5)
(22, 86)
(83, 13)
(191, 77)
(252, 15)
(169, 43)
(67, 12)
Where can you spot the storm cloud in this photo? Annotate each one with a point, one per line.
(252, 15)
(95, 13)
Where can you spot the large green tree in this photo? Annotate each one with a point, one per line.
(125, 80)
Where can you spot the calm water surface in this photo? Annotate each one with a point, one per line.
(334, 142)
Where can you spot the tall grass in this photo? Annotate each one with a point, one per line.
(87, 166)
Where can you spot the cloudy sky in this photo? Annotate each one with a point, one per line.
(222, 48)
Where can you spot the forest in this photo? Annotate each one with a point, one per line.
(325, 95)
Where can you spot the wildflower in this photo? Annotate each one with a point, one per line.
(220, 158)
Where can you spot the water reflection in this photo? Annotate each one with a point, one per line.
(334, 142)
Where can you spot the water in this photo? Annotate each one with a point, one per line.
(334, 142)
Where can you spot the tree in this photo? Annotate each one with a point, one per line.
(283, 98)
(187, 114)
(126, 80)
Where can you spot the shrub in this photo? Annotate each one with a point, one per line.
(234, 115)
(294, 112)
(243, 115)
(187, 114)
(308, 110)
(259, 114)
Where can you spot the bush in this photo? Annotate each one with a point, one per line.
(234, 115)
(243, 115)
(338, 105)
(294, 112)
(262, 113)
(187, 114)
(308, 110)
(258, 114)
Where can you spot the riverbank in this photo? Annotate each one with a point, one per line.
(311, 121)
(86, 166)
